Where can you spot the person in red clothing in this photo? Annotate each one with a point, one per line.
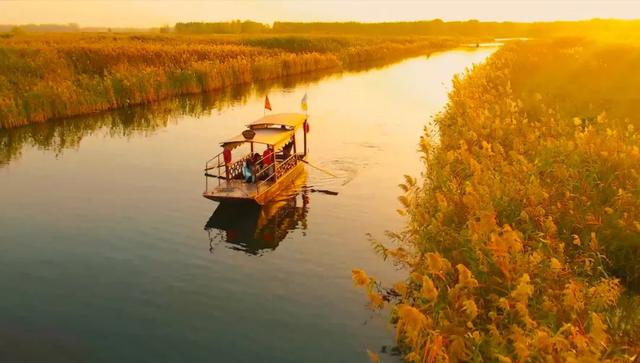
(226, 153)
(267, 159)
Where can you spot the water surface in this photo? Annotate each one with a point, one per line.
(109, 253)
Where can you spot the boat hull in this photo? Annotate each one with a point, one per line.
(277, 188)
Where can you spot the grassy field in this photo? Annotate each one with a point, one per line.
(524, 236)
(48, 76)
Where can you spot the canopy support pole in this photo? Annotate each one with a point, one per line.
(295, 149)
(304, 129)
(275, 164)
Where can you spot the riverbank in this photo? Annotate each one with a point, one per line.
(521, 238)
(49, 76)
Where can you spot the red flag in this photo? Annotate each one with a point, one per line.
(267, 104)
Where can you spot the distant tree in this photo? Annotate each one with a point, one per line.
(16, 30)
(231, 27)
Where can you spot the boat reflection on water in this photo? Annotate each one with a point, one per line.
(255, 229)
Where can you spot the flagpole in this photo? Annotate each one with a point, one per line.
(304, 104)
(267, 105)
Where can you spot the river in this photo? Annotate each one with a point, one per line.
(109, 253)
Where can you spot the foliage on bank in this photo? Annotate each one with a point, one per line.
(523, 238)
(46, 76)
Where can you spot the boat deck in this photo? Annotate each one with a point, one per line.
(235, 189)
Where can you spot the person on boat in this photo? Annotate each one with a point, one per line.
(267, 160)
(248, 171)
(257, 164)
(226, 153)
(256, 160)
(286, 150)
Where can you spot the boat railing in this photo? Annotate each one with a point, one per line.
(268, 170)
(217, 163)
(286, 165)
(208, 167)
(280, 169)
(262, 182)
(272, 172)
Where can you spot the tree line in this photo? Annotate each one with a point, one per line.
(471, 28)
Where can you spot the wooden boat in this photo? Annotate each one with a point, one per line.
(280, 133)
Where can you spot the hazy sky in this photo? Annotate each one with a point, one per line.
(153, 13)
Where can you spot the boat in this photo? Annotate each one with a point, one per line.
(282, 134)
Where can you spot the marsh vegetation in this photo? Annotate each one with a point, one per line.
(48, 76)
(524, 234)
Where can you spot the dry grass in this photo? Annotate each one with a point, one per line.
(525, 231)
(47, 76)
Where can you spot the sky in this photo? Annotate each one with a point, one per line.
(149, 13)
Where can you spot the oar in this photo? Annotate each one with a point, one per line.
(323, 191)
(319, 168)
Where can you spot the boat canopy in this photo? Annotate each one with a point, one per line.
(269, 136)
(289, 120)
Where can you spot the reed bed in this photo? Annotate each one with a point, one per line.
(65, 134)
(48, 76)
(525, 233)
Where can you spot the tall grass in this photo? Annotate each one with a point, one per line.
(61, 135)
(59, 75)
(525, 231)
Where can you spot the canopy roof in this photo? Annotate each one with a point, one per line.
(267, 136)
(292, 120)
